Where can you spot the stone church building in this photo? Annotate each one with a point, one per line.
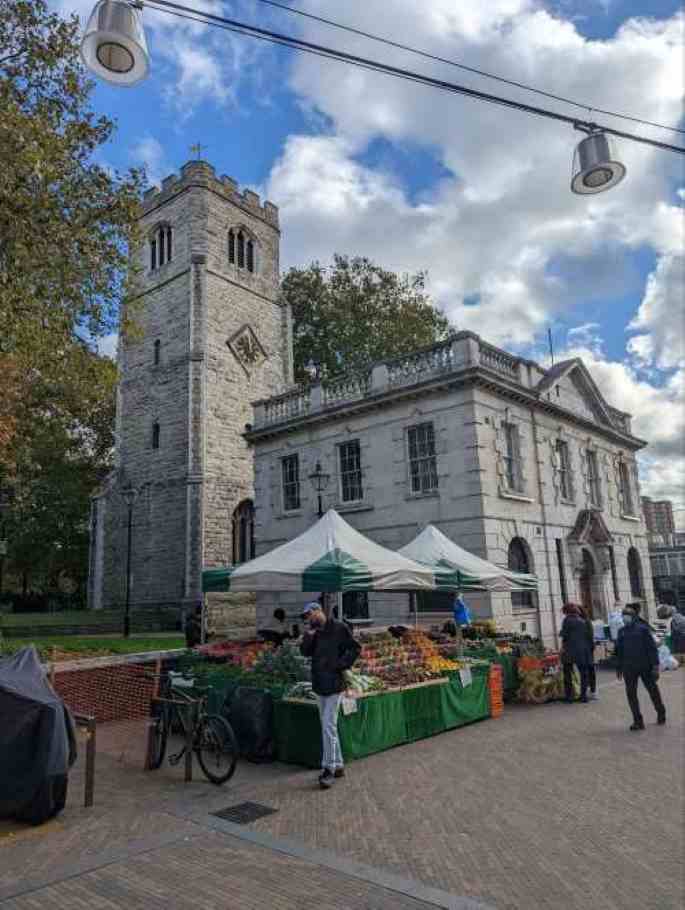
(210, 338)
(526, 467)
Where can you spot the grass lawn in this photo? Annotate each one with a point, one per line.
(59, 618)
(71, 647)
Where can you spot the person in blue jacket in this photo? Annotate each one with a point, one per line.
(637, 658)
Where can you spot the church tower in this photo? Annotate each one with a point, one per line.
(209, 338)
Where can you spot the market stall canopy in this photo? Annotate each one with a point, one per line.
(456, 568)
(329, 556)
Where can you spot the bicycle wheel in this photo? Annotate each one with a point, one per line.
(216, 748)
(158, 740)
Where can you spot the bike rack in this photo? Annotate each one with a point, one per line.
(88, 722)
(191, 708)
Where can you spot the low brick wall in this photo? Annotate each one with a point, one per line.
(110, 689)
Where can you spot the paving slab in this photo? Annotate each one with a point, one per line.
(550, 807)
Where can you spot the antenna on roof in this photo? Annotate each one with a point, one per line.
(551, 346)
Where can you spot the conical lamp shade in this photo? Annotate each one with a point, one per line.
(114, 46)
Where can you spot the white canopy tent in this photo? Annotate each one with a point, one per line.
(329, 556)
(457, 569)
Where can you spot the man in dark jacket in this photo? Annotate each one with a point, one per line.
(576, 650)
(637, 658)
(333, 650)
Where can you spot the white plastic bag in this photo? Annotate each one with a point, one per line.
(666, 660)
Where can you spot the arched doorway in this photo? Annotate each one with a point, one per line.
(587, 576)
(243, 532)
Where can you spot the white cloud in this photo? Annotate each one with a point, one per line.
(149, 152)
(107, 346)
(661, 316)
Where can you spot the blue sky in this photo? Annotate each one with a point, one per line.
(475, 195)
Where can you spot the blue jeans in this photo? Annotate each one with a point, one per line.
(329, 705)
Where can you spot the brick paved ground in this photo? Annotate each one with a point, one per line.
(558, 806)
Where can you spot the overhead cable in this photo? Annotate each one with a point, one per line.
(270, 36)
(469, 69)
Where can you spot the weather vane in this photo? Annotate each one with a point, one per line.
(197, 149)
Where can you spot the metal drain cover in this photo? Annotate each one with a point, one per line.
(244, 813)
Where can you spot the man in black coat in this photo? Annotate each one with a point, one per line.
(333, 650)
(637, 658)
(576, 650)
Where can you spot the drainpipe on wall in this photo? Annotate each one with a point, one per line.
(543, 510)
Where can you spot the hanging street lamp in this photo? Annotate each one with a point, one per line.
(113, 45)
(595, 165)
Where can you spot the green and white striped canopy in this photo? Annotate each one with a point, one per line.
(457, 569)
(329, 556)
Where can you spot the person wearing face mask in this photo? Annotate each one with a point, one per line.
(637, 658)
(333, 650)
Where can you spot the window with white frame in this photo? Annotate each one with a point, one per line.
(593, 478)
(423, 469)
(625, 492)
(565, 480)
(512, 458)
(290, 473)
(349, 455)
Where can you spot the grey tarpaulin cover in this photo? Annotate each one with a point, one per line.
(37, 742)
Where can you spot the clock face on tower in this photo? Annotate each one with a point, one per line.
(246, 348)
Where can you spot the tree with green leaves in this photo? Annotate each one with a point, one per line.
(355, 312)
(66, 221)
(67, 225)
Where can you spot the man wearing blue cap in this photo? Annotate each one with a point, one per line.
(333, 650)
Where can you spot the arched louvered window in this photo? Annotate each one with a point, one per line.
(519, 561)
(241, 250)
(160, 246)
(250, 256)
(635, 573)
(243, 532)
(155, 435)
(231, 247)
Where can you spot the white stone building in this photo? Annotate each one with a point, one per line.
(523, 466)
(210, 338)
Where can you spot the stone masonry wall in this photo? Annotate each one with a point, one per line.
(199, 393)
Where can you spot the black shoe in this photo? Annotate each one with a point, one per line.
(637, 725)
(583, 699)
(339, 772)
(325, 779)
(661, 718)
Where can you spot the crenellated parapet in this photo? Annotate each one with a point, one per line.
(201, 173)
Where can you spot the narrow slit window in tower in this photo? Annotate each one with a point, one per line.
(241, 250)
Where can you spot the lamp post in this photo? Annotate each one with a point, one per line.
(319, 479)
(129, 494)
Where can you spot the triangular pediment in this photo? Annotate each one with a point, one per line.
(590, 528)
(570, 385)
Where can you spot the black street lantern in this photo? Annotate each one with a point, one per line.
(129, 494)
(319, 480)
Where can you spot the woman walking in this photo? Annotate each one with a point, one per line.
(575, 651)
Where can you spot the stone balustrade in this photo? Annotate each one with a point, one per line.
(460, 352)
(494, 359)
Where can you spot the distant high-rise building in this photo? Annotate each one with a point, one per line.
(658, 518)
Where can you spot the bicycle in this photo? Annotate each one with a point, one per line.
(213, 740)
